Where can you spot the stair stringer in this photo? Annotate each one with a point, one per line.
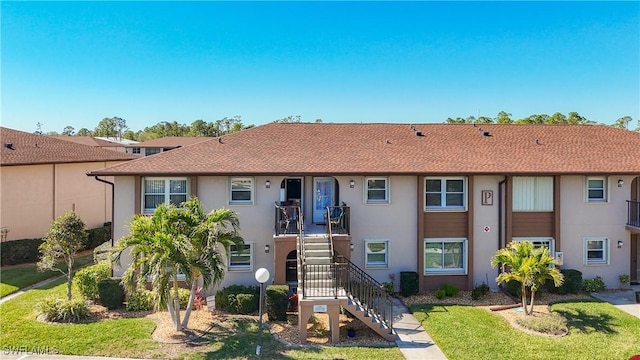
(354, 307)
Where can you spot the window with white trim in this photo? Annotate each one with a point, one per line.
(158, 191)
(240, 257)
(377, 191)
(539, 242)
(241, 190)
(445, 256)
(376, 254)
(449, 193)
(151, 151)
(533, 193)
(596, 189)
(135, 150)
(596, 251)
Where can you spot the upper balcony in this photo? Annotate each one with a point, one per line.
(633, 216)
(289, 219)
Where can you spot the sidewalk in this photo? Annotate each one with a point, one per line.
(624, 300)
(413, 342)
(25, 289)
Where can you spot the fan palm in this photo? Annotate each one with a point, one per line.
(529, 266)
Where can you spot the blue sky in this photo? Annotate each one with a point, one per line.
(74, 63)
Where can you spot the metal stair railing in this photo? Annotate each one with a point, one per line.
(633, 213)
(365, 291)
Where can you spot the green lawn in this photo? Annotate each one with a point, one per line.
(14, 278)
(132, 337)
(597, 330)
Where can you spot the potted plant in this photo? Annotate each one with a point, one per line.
(624, 279)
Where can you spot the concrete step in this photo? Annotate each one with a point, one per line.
(368, 319)
(326, 253)
(317, 260)
(315, 239)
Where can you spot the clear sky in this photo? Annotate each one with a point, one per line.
(74, 63)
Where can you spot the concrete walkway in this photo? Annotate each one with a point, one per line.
(25, 289)
(623, 300)
(413, 342)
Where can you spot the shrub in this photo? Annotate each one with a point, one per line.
(97, 237)
(20, 251)
(450, 290)
(101, 252)
(593, 285)
(514, 288)
(623, 278)
(408, 283)
(183, 296)
(110, 292)
(388, 287)
(479, 291)
(141, 300)
(572, 283)
(226, 299)
(62, 310)
(440, 294)
(277, 302)
(247, 303)
(86, 280)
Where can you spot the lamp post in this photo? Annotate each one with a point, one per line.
(262, 275)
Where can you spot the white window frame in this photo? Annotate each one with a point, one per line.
(537, 242)
(446, 271)
(605, 189)
(251, 190)
(241, 268)
(376, 265)
(367, 200)
(146, 151)
(136, 150)
(167, 191)
(606, 251)
(443, 194)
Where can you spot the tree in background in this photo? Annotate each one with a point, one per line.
(111, 127)
(503, 118)
(68, 131)
(84, 132)
(64, 239)
(623, 122)
(529, 266)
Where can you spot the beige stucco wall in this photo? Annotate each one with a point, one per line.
(485, 243)
(124, 208)
(581, 219)
(32, 196)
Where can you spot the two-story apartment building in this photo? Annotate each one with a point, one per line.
(438, 199)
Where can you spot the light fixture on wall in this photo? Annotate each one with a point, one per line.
(351, 247)
(352, 183)
(266, 248)
(267, 184)
(620, 182)
(620, 243)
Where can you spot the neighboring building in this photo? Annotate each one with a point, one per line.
(42, 177)
(167, 143)
(438, 199)
(94, 141)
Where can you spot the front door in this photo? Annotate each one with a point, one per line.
(324, 195)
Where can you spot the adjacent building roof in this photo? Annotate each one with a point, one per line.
(88, 140)
(172, 141)
(22, 148)
(301, 148)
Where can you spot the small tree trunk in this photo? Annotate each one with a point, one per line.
(533, 295)
(172, 313)
(524, 298)
(69, 278)
(176, 302)
(192, 297)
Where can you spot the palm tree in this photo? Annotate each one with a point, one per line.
(177, 241)
(529, 266)
(208, 233)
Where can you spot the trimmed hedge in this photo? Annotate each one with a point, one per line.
(277, 302)
(87, 279)
(27, 250)
(20, 251)
(63, 310)
(572, 283)
(408, 283)
(97, 236)
(111, 293)
(141, 300)
(229, 299)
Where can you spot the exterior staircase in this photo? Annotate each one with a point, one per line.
(324, 276)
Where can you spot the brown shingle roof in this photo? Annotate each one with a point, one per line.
(299, 148)
(88, 140)
(21, 148)
(172, 141)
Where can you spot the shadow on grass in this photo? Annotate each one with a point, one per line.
(585, 322)
(426, 309)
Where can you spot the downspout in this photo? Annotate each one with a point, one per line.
(112, 205)
(500, 225)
